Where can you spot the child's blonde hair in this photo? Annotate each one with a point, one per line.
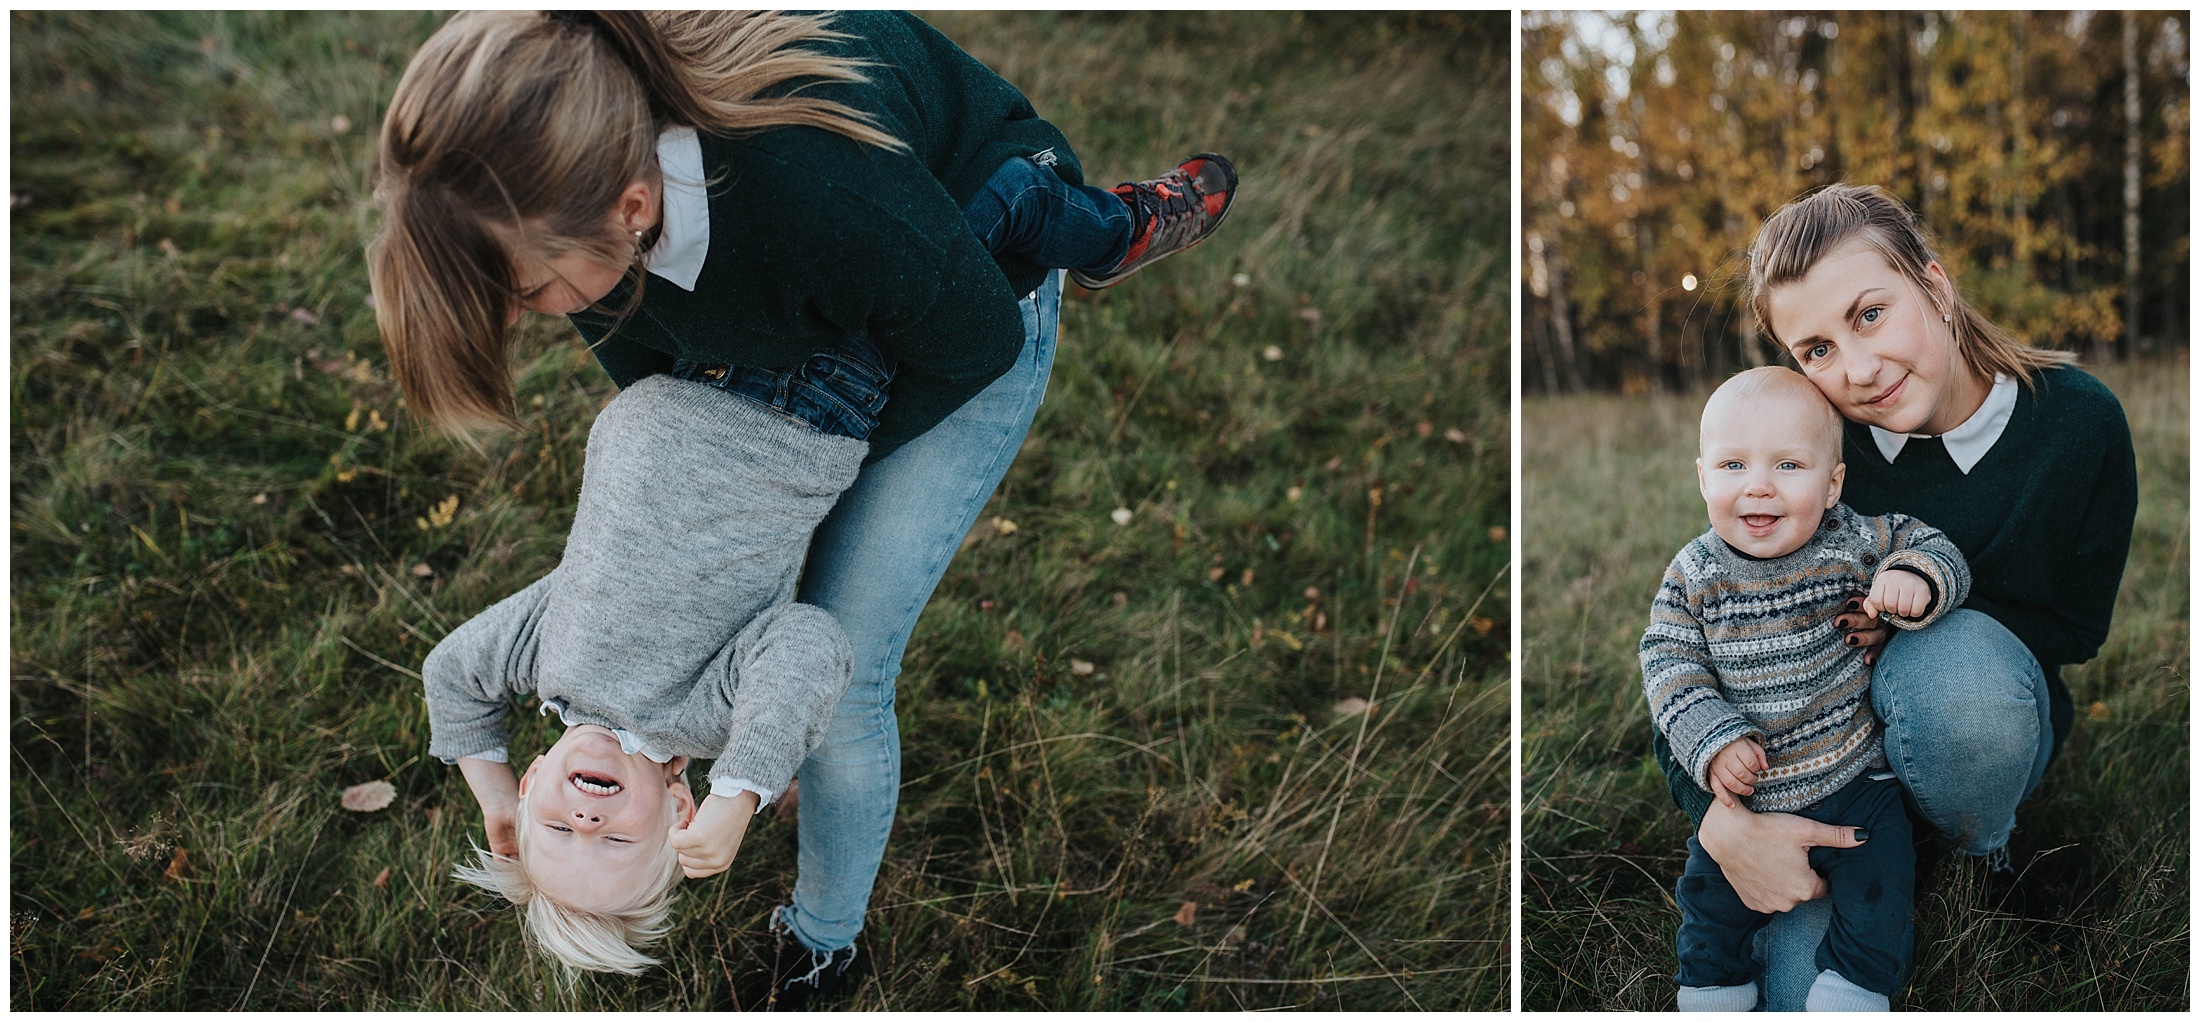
(1805, 231)
(518, 130)
(577, 939)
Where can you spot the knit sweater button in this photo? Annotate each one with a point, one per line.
(1870, 559)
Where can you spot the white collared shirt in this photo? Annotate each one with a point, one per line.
(683, 241)
(1969, 442)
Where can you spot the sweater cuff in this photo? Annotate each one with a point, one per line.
(725, 786)
(1925, 566)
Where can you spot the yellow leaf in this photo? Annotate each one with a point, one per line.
(2097, 711)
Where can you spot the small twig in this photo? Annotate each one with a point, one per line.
(414, 675)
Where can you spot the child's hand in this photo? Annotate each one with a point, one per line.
(1734, 770)
(497, 791)
(709, 842)
(502, 825)
(1900, 593)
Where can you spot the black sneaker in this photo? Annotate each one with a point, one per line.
(800, 979)
(1169, 214)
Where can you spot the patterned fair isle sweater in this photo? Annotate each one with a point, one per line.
(1740, 646)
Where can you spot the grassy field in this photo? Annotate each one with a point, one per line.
(1129, 779)
(1607, 497)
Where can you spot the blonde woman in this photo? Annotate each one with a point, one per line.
(2020, 458)
(844, 218)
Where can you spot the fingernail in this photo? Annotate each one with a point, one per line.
(1851, 640)
(1853, 605)
(1863, 834)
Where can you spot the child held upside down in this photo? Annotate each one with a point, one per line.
(1752, 684)
(668, 631)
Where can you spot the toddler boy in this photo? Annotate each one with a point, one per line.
(1762, 698)
(696, 509)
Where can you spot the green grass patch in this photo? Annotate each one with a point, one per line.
(1607, 496)
(231, 546)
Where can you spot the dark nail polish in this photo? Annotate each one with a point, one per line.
(1851, 640)
(1852, 605)
(1863, 834)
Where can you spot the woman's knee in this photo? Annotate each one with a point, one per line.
(1965, 685)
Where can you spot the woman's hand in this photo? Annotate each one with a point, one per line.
(1864, 629)
(1766, 856)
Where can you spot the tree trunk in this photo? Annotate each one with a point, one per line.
(2131, 185)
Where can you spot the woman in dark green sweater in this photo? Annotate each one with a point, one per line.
(778, 204)
(2019, 457)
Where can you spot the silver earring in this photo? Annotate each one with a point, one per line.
(1947, 317)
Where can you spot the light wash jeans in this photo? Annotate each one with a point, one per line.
(1966, 712)
(874, 564)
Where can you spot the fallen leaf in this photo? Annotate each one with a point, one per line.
(1214, 574)
(1246, 578)
(1497, 534)
(1424, 428)
(1240, 280)
(1004, 526)
(2097, 711)
(259, 498)
(1243, 886)
(339, 124)
(1312, 593)
(1120, 599)
(423, 571)
(382, 879)
(1482, 625)
(1272, 353)
(1122, 515)
(168, 248)
(1456, 435)
(1311, 315)
(179, 866)
(304, 317)
(1081, 667)
(368, 797)
(1292, 494)
(1350, 706)
(1186, 912)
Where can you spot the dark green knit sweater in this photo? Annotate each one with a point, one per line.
(816, 238)
(2044, 519)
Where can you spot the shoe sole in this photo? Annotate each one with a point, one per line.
(1097, 283)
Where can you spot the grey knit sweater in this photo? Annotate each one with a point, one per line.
(671, 616)
(1740, 646)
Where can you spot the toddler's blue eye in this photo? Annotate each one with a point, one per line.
(1871, 315)
(1790, 466)
(1816, 352)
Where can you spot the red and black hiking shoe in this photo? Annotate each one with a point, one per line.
(1169, 214)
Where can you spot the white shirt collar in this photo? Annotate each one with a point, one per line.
(1969, 442)
(684, 240)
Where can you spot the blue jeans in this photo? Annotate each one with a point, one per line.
(1966, 710)
(1027, 210)
(873, 565)
(838, 391)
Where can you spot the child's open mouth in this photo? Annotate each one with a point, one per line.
(1760, 524)
(594, 784)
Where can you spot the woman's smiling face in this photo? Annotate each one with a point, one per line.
(1875, 344)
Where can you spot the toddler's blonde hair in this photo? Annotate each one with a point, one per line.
(575, 938)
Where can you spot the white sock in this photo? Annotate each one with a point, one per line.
(1741, 998)
(1832, 993)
